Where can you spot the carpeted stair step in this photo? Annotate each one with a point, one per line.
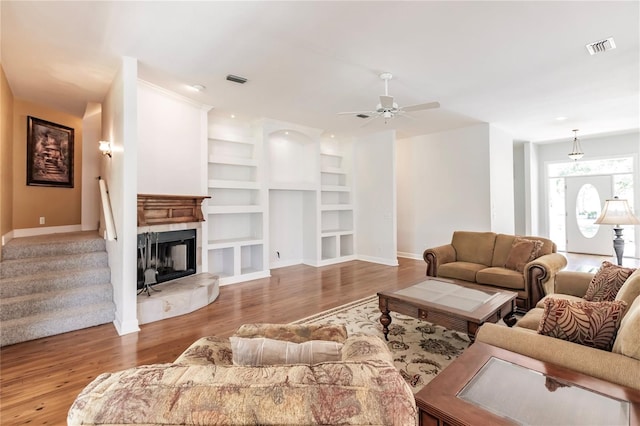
(63, 263)
(53, 281)
(52, 284)
(38, 303)
(53, 245)
(51, 323)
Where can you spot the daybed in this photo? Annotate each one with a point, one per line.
(203, 386)
(620, 365)
(526, 265)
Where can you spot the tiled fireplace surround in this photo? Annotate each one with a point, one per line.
(163, 213)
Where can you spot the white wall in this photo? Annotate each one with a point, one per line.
(169, 143)
(375, 198)
(519, 190)
(443, 186)
(91, 129)
(119, 125)
(501, 181)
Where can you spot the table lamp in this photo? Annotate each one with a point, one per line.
(617, 212)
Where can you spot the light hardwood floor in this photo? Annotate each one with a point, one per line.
(40, 379)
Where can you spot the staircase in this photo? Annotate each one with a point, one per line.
(53, 284)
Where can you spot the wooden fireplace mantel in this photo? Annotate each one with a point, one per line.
(158, 209)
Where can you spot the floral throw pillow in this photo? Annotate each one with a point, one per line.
(522, 251)
(606, 282)
(593, 324)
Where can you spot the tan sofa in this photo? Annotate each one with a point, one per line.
(620, 366)
(480, 257)
(203, 386)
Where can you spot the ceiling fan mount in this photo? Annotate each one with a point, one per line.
(387, 108)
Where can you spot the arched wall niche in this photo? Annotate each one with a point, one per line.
(293, 157)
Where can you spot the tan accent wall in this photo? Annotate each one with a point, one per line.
(6, 155)
(59, 206)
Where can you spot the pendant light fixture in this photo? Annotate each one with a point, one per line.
(576, 153)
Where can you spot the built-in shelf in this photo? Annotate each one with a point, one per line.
(232, 184)
(233, 209)
(236, 161)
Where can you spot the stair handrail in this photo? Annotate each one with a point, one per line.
(106, 209)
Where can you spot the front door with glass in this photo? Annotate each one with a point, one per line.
(584, 198)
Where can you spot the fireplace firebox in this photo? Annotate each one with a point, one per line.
(165, 256)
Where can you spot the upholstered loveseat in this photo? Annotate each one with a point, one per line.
(620, 365)
(526, 265)
(203, 386)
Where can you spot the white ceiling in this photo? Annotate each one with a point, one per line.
(517, 65)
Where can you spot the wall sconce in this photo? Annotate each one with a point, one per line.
(617, 212)
(105, 148)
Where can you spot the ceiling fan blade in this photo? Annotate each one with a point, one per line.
(357, 112)
(369, 120)
(420, 107)
(386, 102)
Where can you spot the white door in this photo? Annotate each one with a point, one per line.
(584, 199)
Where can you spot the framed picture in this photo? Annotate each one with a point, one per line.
(49, 154)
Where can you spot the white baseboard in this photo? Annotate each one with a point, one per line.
(7, 237)
(30, 232)
(284, 263)
(380, 260)
(410, 255)
(127, 327)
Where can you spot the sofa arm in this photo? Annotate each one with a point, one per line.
(295, 333)
(572, 282)
(210, 350)
(438, 256)
(365, 347)
(540, 276)
(604, 365)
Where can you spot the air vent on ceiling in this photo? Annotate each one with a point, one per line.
(362, 116)
(601, 46)
(236, 79)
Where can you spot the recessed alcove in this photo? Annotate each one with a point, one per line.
(293, 159)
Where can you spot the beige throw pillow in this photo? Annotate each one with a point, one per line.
(606, 282)
(628, 340)
(522, 251)
(263, 351)
(592, 324)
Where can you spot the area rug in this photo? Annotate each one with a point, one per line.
(420, 349)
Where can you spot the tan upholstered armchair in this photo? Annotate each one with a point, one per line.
(491, 259)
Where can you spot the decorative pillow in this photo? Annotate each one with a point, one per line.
(627, 342)
(522, 251)
(588, 323)
(606, 282)
(263, 351)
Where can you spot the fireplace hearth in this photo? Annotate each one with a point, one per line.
(165, 256)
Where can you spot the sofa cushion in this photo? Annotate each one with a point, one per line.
(522, 252)
(627, 342)
(630, 290)
(568, 297)
(263, 351)
(591, 324)
(474, 247)
(531, 320)
(501, 277)
(606, 282)
(460, 270)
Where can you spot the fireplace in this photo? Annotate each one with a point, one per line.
(164, 256)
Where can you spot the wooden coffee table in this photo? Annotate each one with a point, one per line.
(487, 385)
(454, 305)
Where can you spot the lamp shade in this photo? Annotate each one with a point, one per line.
(616, 211)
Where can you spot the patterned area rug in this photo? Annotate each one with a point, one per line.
(421, 350)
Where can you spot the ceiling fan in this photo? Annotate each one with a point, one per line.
(388, 109)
